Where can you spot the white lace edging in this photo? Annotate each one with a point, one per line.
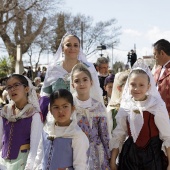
(165, 144)
(115, 144)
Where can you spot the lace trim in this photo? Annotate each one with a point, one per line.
(165, 144)
(115, 144)
(87, 113)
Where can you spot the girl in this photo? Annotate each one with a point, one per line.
(63, 144)
(59, 69)
(143, 119)
(91, 117)
(20, 125)
(114, 103)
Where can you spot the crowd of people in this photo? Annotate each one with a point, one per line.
(84, 117)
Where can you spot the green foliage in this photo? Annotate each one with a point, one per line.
(118, 66)
(5, 66)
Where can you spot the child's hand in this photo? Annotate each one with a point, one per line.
(114, 167)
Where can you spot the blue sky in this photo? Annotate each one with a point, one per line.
(143, 22)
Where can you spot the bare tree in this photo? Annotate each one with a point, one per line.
(91, 34)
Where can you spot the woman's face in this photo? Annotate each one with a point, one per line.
(71, 47)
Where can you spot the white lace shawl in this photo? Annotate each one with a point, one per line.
(95, 109)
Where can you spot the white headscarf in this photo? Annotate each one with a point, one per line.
(116, 94)
(29, 109)
(153, 104)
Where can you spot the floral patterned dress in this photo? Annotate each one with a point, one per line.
(91, 117)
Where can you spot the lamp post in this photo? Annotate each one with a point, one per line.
(101, 47)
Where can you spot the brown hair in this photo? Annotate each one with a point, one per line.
(139, 71)
(81, 67)
(70, 35)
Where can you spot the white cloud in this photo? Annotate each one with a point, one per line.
(132, 32)
(155, 33)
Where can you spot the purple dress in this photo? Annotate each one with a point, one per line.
(93, 122)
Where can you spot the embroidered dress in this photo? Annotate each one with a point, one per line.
(91, 117)
(147, 149)
(142, 133)
(22, 129)
(57, 77)
(62, 147)
(62, 80)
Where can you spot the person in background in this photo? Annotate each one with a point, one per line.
(24, 73)
(142, 134)
(39, 72)
(91, 117)
(5, 96)
(161, 52)
(132, 57)
(30, 73)
(2, 102)
(114, 103)
(43, 73)
(37, 81)
(20, 125)
(110, 71)
(108, 84)
(63, 145)
(102, 66)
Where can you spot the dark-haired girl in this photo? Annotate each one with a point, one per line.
(20, 125)
(63, 144)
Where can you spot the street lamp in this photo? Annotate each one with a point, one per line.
(101, 47)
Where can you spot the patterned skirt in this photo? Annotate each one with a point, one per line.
(97, 158)
(149, 158)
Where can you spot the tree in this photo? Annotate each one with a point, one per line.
(19, 24)
(5, 66)
(92, 34)
(118, 66)
(60, 31)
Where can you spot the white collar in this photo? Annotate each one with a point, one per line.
(84, 104)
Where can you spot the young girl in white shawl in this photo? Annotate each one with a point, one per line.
(20, 125)
(114, 103)
(144, 122)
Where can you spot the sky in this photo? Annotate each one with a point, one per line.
(142, 22)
